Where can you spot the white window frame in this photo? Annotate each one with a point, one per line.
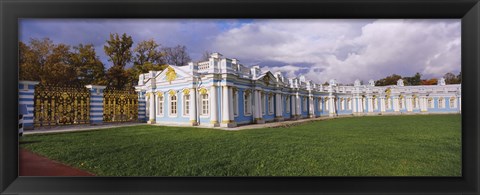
(327, 104)
(441, 102)
(270, 104)
(349, 103)
(342, 104)
(287, 102)
(235, 102)
(160, 101)
(186, 105)
(262, 100)
(430, 103)
(204, 105)
(304, 105)
(454, 103)
(171, 101)
(247, 104)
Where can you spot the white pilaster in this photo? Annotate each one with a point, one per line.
(151, 109)
(213, 108)
(193, 107)
(311, 107)
(382, 104)
(230, 96)
(409, 103)
(370, 103)
(278, 107)
(293, 103)
(396, 106)
(298, 106)
(331, 105)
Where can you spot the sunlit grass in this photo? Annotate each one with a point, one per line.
(414, 145)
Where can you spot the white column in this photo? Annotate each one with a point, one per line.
(423, 104)
(230, 96)
(278, 106)
(382, 104)
(311, 107)
(226, 101)
(409, 103)
(395, 104)
(213, 106)
(370, 103)
(298, 105)
(151, 109)
(360, 104)
(193, 107)
(354, 104)
(331, 105)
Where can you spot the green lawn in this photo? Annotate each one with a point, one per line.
(415, 145)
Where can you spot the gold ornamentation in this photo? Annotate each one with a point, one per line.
(186, 91)
(159, 94)
(203, 91)
(171, 74)
(172, 92)
(247, 92)
(388, 92)
(61, 105)
(121, 105)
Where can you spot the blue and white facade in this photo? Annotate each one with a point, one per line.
(223, 92)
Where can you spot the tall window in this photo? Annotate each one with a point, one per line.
(304, 104)
(270, 104)
(186, 104)
(247, 104)
(452, 103)
(375, 103)
(441, 102)
(160, 105)
(320, 104)
(400, 103)
(262, 100)
(204, 98)
(342, 104)
(414, 102)
(349, 103)
(430, 103)
(173, 104)
(287, 102)
(388, 103)
(235, 102)
(327, 104)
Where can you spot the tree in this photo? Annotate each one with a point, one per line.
(415, 80)
(29, 68)
(459, 77)
(147, 57)
(177, 55)
(389, 80)
(58, 68)
(205, 56)
(450, 78)
(89, 68)
(118, 49)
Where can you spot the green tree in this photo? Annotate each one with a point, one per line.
(118, 49)
(415, 80)
(389, 80)
(89, 68)
(58, 68)
(459, 77)
(29, 68)
(147, 57)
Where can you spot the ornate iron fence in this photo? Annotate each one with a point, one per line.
(120, 105)
(61, 105)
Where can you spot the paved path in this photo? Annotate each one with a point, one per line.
(71, 128)
(35, 165)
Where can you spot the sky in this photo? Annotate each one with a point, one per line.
(320, 49)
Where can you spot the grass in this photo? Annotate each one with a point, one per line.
(414, 145)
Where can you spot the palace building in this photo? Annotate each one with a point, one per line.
(223, 92)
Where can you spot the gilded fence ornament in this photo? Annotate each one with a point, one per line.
(120, 105)
(61, 105)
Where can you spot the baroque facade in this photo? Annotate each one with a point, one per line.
(223, 92)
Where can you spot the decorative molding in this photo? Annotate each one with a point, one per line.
(171, 74)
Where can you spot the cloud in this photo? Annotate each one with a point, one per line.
(349, 49)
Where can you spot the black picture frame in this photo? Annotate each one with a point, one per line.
(468, 10)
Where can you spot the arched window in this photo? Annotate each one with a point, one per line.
(160, 105)
(186, 104)
(430, 103)
(235, 102)
(204, 102)
(441, 102)
(270, 104)
(247, 103)
(287, 102)
(453, 103)
(173, 104)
